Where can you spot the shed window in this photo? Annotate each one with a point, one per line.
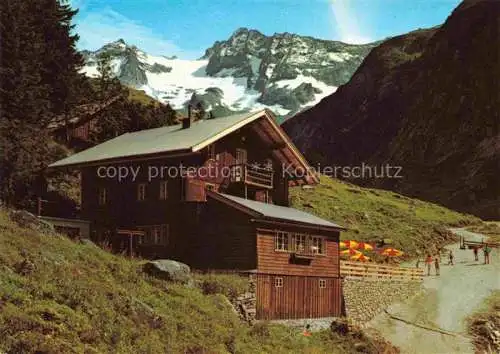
(102, 197)
(322, 283)
(299, 242)
(281, 241)
(317, 245)
(141, 191)
(278, 282)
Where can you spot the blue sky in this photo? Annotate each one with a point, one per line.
(187, 28)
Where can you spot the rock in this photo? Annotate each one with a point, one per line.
(26, 267)
(340, 326)
(169, 270)
(27, 220)
(88, 242)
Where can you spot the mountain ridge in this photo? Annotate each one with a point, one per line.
(285, 72)
(426, 101)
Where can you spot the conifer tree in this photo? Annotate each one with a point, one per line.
(38, 78)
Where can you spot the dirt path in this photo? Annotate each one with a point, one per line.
(444, 304)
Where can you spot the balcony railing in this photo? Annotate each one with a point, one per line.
(253, 175)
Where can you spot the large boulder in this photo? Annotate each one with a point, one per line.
(169, 270)
(27, 220)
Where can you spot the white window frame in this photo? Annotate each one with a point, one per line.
(318, 245)
(322, 283)
(163, 190)
(281, 241)
(102, 196)
(241, 156)
(278, 282)
(141, 192)
(300, 246)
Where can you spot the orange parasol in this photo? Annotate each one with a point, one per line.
(360, 257)
(391, 252)
(348, 244)
(350, 252)
(364, 246)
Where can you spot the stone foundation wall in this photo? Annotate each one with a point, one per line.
(366, 298)
(246, 304)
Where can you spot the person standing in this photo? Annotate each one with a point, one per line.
(428, 262)
(436, 265)
(475, 253)
(450, 258)
(487, 252)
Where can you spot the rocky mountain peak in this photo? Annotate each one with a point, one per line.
(284, 72)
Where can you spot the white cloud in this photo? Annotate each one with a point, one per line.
(98, 28)
(346, 23)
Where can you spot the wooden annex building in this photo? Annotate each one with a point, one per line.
(213, 193)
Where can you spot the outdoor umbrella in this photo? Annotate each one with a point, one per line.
(391, 252)
(360, 257)
(348, 244)
(350, 252)
(364, 246)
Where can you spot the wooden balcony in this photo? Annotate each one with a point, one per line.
(252, 175)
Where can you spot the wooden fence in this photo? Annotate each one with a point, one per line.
(370, 271)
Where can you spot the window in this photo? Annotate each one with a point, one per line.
(154, 235)
(322, 283)
(141, 191)
(281, 241)
(278, 282)
(317, 245)
(211, 152)
(163, 190)
(241, 156)
(102, 196)
(299, 242)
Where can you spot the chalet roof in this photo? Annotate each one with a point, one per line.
(277, 212)
(173, 139)
(80, 114)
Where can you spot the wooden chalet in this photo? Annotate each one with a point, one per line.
(236, 217)
(78, 124)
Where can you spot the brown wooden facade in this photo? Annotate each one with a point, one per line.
(187, 218)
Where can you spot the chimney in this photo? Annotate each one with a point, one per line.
(186, 122)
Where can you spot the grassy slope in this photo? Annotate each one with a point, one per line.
(372, 214)
(140, 96)
(83, 299)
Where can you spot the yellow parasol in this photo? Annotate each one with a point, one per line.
(391, 252)
(348, 244)
(350, 252)
(364, 246)
(360, 257)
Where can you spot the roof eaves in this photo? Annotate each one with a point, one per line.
(114, 160)
(310, 225)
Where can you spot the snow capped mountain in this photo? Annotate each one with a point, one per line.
(249, 71)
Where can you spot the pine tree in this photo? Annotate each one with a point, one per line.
(39, 78)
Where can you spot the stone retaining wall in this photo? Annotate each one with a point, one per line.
(246, 304)
(366, 298)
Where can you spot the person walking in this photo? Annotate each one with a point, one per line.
(476, 258)
(428, 262)
(436, 265)
(487, 252)
(450, 258)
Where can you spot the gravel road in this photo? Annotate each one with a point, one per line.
(444, 304)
